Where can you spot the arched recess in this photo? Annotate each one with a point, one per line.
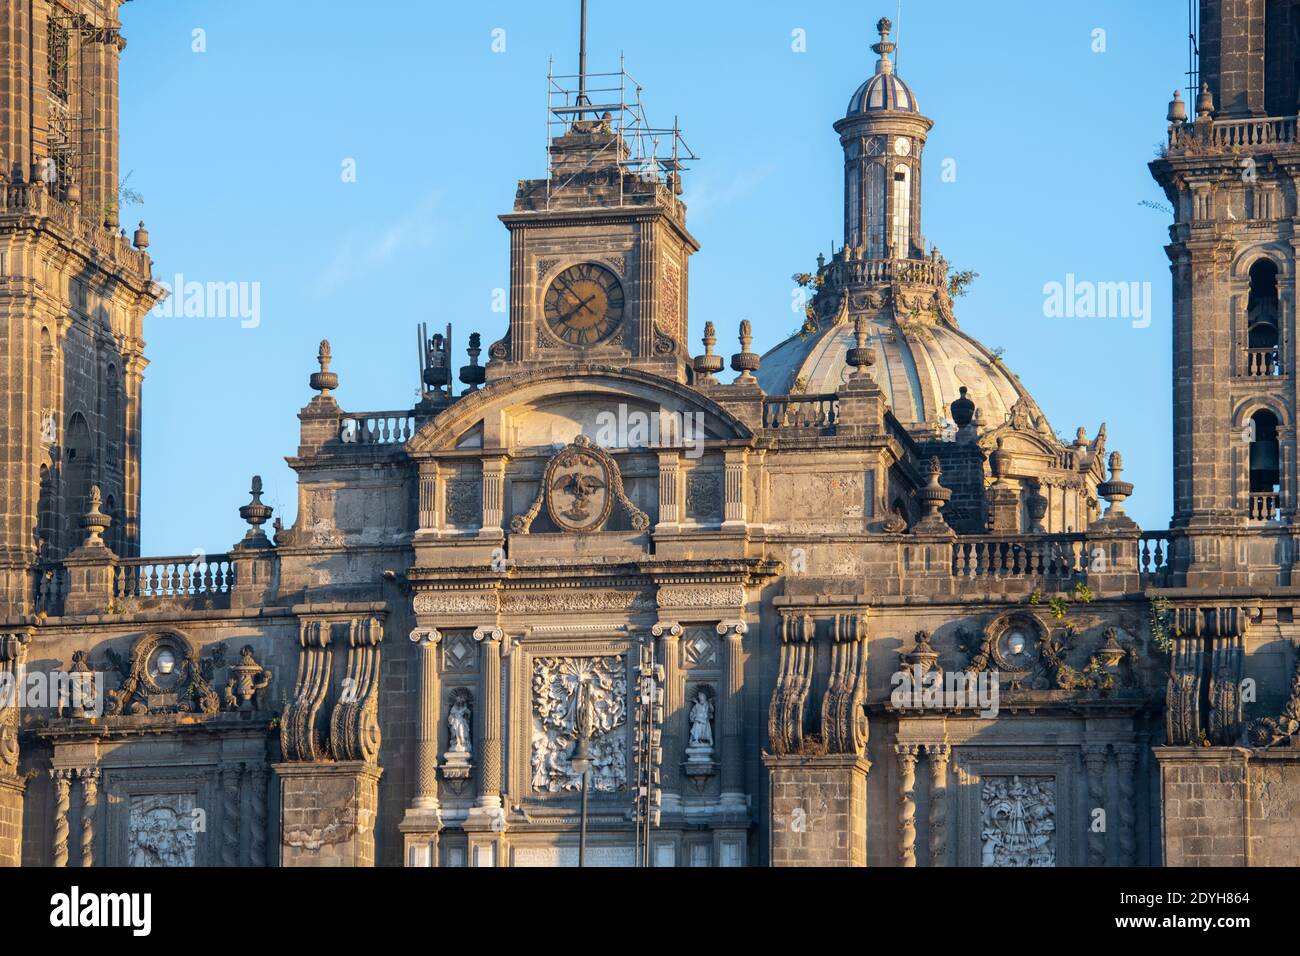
(587, 391)
(78, 470)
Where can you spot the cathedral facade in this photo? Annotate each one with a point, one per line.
(616, 601)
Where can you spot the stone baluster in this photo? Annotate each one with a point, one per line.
(257, 826)
(89, 807)
(490, 717)
(62, 801)
(938, 755)
(1095, 758)
(670, 655)
(906, 803)
(426, 763)
(1126, 756)
(733, 718)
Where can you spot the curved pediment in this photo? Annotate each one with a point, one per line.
(613, 407)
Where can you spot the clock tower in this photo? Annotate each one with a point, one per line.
(599, 249)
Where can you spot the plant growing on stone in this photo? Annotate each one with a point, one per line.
(959, 283)
(1163, 630)
(1082, 593)
(1058, 607)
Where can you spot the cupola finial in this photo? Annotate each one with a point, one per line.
(884, 47)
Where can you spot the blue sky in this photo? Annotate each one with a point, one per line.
(238, 153)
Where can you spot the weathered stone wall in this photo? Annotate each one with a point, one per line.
(1273, 808)
(818, 810)
(11, 822)
(327, 814)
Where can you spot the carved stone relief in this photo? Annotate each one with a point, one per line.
(464, 502)
(555, 686)
(1018, 821)
(703, 495)
(160, 830)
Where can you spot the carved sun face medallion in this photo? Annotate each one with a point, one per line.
(579, 495)
(584, 304)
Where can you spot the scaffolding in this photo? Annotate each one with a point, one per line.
(71, 146)
(643, 152)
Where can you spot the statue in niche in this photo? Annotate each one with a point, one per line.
(702, 720)
(456, 765)
(458, 724)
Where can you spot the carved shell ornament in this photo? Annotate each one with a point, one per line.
(579, 488)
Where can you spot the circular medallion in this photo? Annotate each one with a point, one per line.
(579, 493)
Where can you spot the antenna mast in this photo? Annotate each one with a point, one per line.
(582, 59)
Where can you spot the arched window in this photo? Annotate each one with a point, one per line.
(77, 455)
(875, 211)
(902, 233)
(1265, 466)
(1262, 311)
(45, 543)
(854, 186)
(48, 420)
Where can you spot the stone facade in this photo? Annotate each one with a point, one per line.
(830, 612)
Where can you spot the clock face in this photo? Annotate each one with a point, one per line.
(584, 304)
(902, 146)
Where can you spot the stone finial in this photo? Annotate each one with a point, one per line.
(1000, 461)
(1177, 109)
(473, 375)
(862, 356)
(746, 362)
(962, 409)
(933, 497)
(1036, 503)
(708, 364)
(1204, 102)
(324, 381)
(256, 514)
(1115, 490)
(883, 48)
(922, 654)
(94, 521)
(141, 238)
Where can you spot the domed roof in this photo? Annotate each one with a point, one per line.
(885, 91)
(921, 370)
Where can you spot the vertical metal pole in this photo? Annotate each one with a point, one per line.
(582, 825)
(582, 59)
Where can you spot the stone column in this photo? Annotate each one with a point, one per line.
(670, 655)
(906, 803)
(490, 717)
(1126, 759)
(486, 822)
(1094, 757)
(62, 800)
(422, 823)
(89, 808)
(231, 775)
(733, 717)
(428, 518)
(938, 757)
(257, 825)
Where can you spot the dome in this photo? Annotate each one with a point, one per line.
(885, 91)
(921, 371)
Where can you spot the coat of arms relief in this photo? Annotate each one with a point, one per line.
(579, 489)
(1018, 821)
(570, 695)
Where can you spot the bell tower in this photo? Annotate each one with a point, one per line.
(599, 249)
(883, 135)
(1232, 175)
(73, 290)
